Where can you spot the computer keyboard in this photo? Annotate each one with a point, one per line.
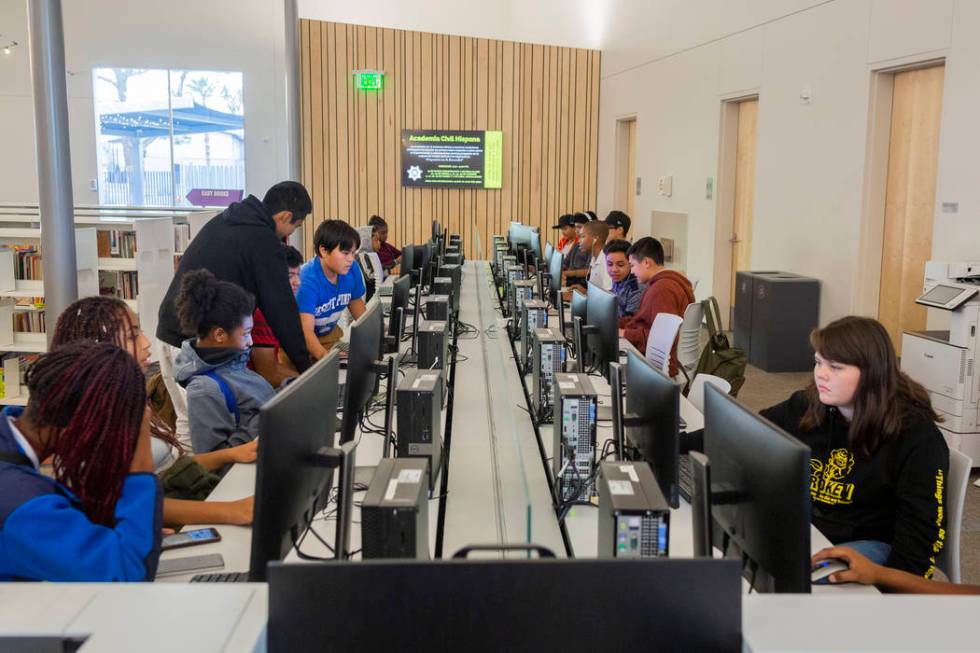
(223, 577)
(342, 346)
(685, 476)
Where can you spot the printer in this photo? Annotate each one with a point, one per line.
(945, 361)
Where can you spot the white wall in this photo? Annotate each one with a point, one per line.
(242, 35)
(810, 160)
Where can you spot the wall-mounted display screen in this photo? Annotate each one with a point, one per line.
(433, 158)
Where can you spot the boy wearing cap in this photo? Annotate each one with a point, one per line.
(576, 264)
(566, 227)
(619, 225)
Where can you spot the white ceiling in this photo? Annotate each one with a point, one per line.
(629, 32)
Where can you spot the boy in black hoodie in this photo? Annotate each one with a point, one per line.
(242, 245)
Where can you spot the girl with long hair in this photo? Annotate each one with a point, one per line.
(878, 462)
(99, 518)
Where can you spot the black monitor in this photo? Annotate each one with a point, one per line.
(652, 420)
(408, 264)
(291, 483)
(400, 290)
(364, 353)
(436, 229)
(469, 605)
(602, 332)
(760, 492)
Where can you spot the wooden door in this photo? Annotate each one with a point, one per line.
(910, 198)
(625, 195)
(748, 112)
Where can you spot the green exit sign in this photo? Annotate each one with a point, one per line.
(368, 80)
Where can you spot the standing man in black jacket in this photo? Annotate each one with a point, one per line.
(243, 245)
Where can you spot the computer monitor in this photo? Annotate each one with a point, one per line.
(554, 283)
(364, 353)
(408, 264)
(399, 310)
(652, 420)
(675, 604)
(602, 332)
(549, 251)
(760, 492)
(436, 229)
(579, 309)
(291, 484)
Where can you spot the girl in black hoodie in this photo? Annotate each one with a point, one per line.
(879, 463)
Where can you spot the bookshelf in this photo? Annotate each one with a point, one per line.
(129, 252)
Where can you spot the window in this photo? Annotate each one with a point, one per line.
(163, 133)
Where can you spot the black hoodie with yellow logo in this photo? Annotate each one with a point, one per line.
(896, 496)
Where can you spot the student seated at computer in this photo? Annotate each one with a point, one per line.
(627, 289)
(619, 225)
(187, 479)
(667, 292)
(223, 395)
(879, 463)
(575, 266)
(97, 517)
(388, 253)
(330, 284)
(567, 235)
(863, 571)
(266, 359)
(593, 239)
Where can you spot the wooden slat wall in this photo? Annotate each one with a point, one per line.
(544, 98)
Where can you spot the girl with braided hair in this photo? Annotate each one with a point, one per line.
(99, 518)
(108, 319)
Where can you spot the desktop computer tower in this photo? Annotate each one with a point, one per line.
(517, 293)
(634, 516)
(442, 285)
(533, 316)
(573, 455)
(453, 259)
(419, 401)
(395, 511)
(454, 272)
(548, 360)
(499, 252)
(437, 307)
(433, 345)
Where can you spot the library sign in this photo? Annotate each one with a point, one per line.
(452, 159)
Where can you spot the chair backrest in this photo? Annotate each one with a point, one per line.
(661, 339)
(689, 345)
(956, 486)
(696, 393)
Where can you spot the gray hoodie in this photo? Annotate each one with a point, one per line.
(212, 425)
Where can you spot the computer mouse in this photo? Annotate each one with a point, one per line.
(824, 568)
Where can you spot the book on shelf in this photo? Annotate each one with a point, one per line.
(115, 243)
(29, 322)
(27, 262)
(121, 284)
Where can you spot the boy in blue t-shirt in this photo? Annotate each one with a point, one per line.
(328, 284)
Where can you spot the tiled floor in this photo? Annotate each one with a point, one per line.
(763, 389)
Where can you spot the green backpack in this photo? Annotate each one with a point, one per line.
(719, 357)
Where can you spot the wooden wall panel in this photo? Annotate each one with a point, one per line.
(544, 98)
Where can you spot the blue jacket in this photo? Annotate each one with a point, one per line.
(212, 425)
(628, 293)
(46, 535)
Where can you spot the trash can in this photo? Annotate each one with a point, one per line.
(774, 322)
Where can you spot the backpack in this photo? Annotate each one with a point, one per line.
(719, 357)
(230, 402)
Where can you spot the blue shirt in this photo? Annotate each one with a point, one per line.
(327, 301)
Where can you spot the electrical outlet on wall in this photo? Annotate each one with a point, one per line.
(93, 185)
(664, 185)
